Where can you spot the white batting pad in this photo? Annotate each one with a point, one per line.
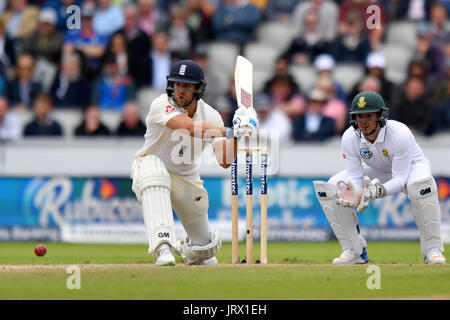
(194, 254)
(342, 220)
(151, 182)
(426, 213)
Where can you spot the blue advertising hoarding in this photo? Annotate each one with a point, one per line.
(106, 210)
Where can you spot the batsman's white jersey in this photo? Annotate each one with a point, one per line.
(393, 154)
(179, 152)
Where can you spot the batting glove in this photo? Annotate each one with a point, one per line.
(245, 122)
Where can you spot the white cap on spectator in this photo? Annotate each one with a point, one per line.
(376, 60)
(324, 62)
(48, 15)
(318, 94)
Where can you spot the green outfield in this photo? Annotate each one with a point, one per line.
(295, 271)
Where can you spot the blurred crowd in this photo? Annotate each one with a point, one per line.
(96, 56)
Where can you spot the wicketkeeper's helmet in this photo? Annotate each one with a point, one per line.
(367, 102)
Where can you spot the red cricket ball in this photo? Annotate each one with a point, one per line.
(40, 250)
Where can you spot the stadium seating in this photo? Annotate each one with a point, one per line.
(402, 33)
(397, 61)
(144, 99)
(69, 119)
(348, 74)
(276, 34)
(305, 76)
(222, 56)
(260, 77)
(262, 55)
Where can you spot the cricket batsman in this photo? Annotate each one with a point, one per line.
(381, 158)
(165, 170)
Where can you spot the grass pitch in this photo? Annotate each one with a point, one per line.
(295, 271)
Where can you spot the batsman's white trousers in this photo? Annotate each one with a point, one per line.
(188, 198)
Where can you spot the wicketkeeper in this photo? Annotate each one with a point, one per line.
(381, 158)
(165, 172)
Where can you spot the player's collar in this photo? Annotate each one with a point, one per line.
(380, 138)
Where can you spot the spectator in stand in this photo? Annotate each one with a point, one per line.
(70, 89)
(353, 45)
(108, 18)
(440, 34)
(431, 53)
(441, 118)
(376, 66)
(305, 48)
(324, 65)
(374, 31)
(235, 21)
(418, 67)
(112, 90)
(62, 12)
(91, 44)
(131, 125)
(272, 120)
(21, 19)
(7, 50)
(91, 126)
(334, 108)
(42, 123)
(46, 42)
(281, 10)
(118, 47)
(327, 12)
(284, 96)
(313, 125)
(150, 19)
(9, 123)
(138, 48)
(228, 103)
(161, 60)
(370, 83)
(281, 68)
(439, 89)
(413, 10)
(199, 18)
(214, 92)
(181, 37)
(413, 106)
(23, 89)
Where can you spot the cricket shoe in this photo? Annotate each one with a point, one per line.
(163, 256)
(349, 257)
(434, 256)
(208, 262)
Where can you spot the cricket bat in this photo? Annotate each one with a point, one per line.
(243, 79)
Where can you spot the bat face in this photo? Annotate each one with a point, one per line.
(243, 78)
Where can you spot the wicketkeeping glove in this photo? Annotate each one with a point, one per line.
(372, 190)
(349, 194)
